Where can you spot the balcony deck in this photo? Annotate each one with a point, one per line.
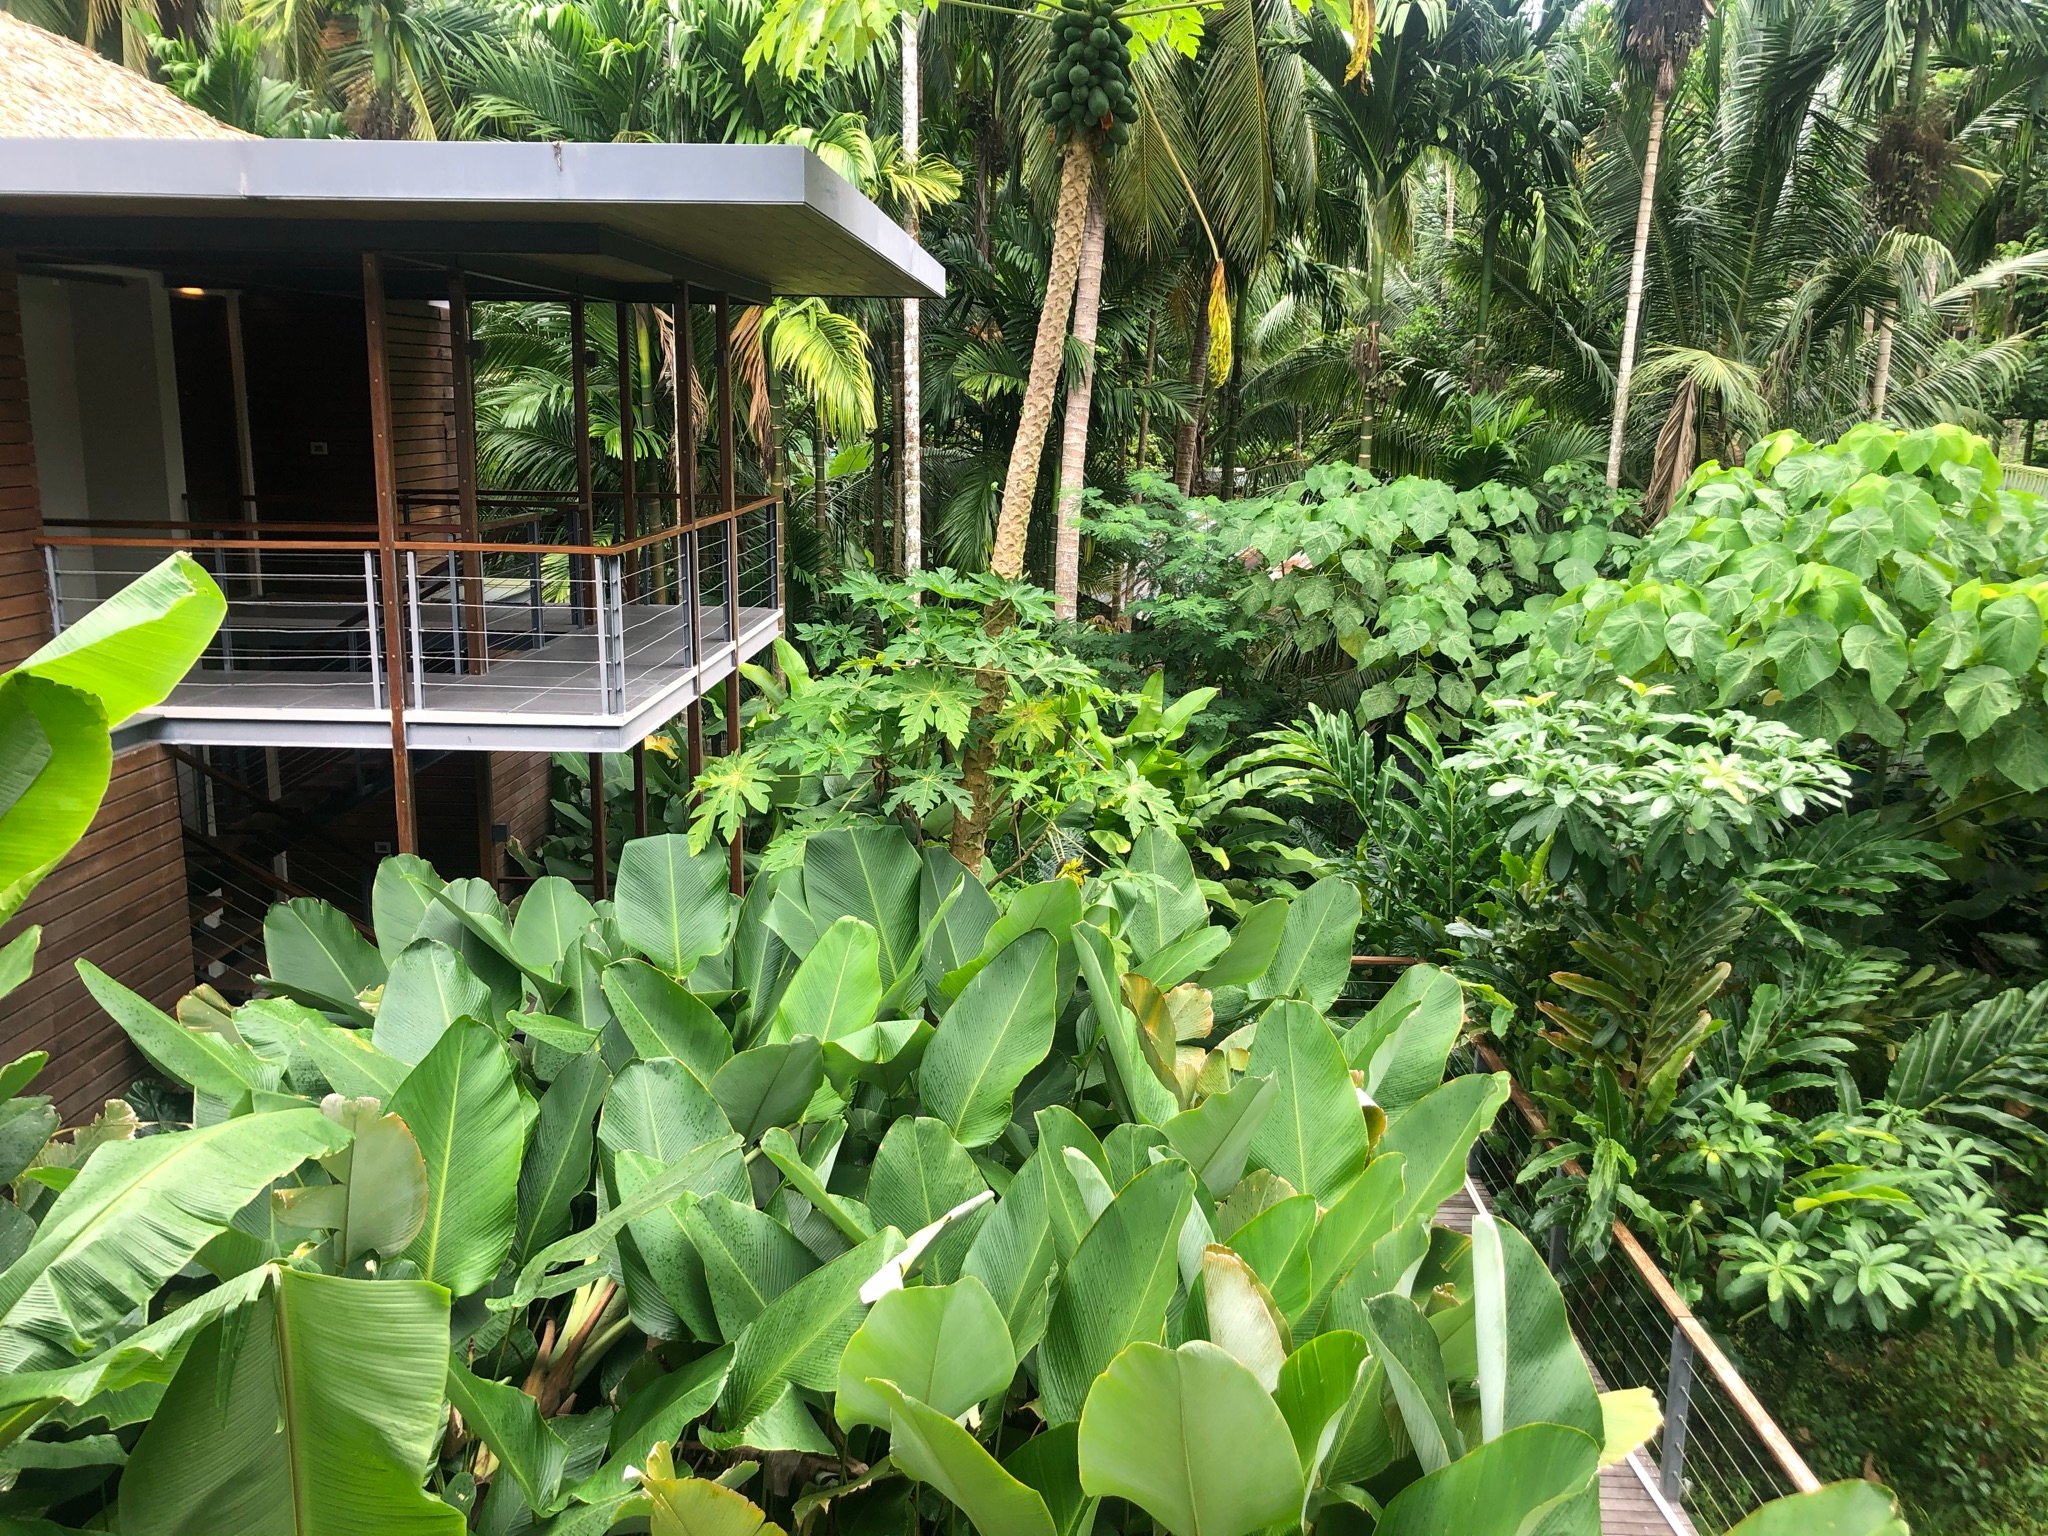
(547, 699)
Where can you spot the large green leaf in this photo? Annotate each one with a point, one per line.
(1313, 960)
(801, 1334)
(1435, 1137)
(1316, 1382)
(659, 1108)
(945, 1345)
(933, 1449)
(770, 1085)
(1216, 1135)
(1014, 1253)
(509, 1422)
(312, 952)
(146, 1358)
(749, 1258)
(556, 1168)
(1530, 1368)
(1143, 1096)
(429, 989)
(871, 873)
(132, 649)
(1403, 1043)
(1850, 1508)
(660, 1017)
(1407, 1349)
(377, 1201)
(1116, 1290)
(997, 1031)
(672, 906)
(836, 989)
(55, 764)
(210, 1063)
(316, 1412)
(1157, 893)
(919, 1174)
(1315, 1136)
(135, 1215)
(551, 915)
(1190, 1437)
(1502, 1488)
(462, 1105)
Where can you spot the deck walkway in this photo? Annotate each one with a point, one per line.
(1630, 1502)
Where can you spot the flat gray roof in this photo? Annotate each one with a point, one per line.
(610, 220)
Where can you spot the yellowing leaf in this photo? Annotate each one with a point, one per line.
(1364, 33)
(1219, 327)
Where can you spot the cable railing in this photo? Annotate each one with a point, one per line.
(1720, 1454)
(530, 610)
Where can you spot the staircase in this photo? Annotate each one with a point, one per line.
(255, 833)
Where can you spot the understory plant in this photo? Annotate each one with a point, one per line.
(1405, 595)
(867, 1198)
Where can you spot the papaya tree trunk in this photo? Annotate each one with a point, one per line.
(1013, 523)
(1066, 585)
(1638, 265)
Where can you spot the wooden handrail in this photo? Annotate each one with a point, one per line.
(414, 535)
(1746, 1402)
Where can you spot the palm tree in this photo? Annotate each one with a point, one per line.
(1657, 37)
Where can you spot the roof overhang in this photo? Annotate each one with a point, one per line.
(620, 221)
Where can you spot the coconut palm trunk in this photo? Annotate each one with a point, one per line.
(1638, 266)
(913, 384)
(1881, 372)
(1066, 584)
(1013, 523)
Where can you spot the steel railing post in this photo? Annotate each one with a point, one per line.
(414, 636)
(372, 614)
(55, 580)
(1677, 1412)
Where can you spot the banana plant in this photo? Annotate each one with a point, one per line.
(572, 1217)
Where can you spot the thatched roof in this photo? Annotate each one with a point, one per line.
(51, 88)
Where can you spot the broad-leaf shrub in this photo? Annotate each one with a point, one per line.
(1884, 586)
(1010, 1206)
(1421, 589)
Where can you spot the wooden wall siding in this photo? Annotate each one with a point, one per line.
(520, 800)
(422, 400)
(119, 899)
(24, 610)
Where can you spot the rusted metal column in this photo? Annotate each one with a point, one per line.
(583, 602)
(629, 506)
(639, 789)
(387, 547)
(463, 386)
(600, 851)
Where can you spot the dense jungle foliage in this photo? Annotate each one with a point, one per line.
(1533, 494)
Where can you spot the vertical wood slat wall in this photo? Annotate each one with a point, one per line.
(119, 899)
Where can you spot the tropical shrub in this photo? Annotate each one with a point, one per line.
(1884, 586)
(1417, 590)
(1068, 1198)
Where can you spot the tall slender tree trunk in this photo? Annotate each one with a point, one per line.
(1638, 265)
(968, 841)
(821, 505)
(1450, 203)
(1881, 374)
(1013, 524)
(913, 384)
(1066, 583)
(1145, 404)
(1187, 438)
